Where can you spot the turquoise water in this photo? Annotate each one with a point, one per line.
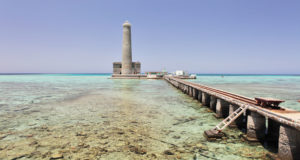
(94, 117)
(285, 87)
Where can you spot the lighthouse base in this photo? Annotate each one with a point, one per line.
(128, 76)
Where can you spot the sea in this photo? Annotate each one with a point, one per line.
(90, 116)
(283, 87)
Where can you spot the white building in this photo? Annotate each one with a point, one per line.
(181, 73)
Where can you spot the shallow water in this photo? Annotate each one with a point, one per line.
(93, 117)
(285, 87)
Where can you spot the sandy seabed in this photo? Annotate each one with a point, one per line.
(126, 122)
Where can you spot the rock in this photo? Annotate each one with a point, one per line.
(201, 146)
(192, 118)
(213, 134)
(103, 142)
(81, 134)
(152, 156)
(103, 150)
(208, 110)
(132, 131)
(168, 152)
(181, 150)
(104, 136)
(120, 132)
(57, 156)
(120, 144)
(29, 135)
(33, 143)
(107, 123)
(26, 136)
(176, 137)
(82, 145)
(234, 136)
(224, 138)
(32, 124)
(230, 141)
(2, 136)
(18, 156)
(58, 136)
(137, 150)
(271, 156)
(196, 157)
(44, 128)
(74, 149)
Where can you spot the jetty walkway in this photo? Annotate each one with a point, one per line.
(280, 127)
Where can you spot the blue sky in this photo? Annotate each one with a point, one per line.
(203, 36)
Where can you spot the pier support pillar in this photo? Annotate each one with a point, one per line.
(195, 93)
(232, 108)
(256, 127)
(273, 132)
(289, 143)
(213, 102)
(205, 99)
(219, 108)
(186, 89)
(199, 96)
(191, 91)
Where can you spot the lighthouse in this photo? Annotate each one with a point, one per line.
(126, 67)
(126, 49)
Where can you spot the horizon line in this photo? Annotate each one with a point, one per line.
(20, 73)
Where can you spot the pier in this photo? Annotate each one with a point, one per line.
(280, 127)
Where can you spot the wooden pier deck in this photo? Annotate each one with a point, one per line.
(283, 125)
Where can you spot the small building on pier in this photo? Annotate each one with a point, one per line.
(155, 75)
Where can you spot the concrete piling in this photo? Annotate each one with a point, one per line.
(289, 143)
(213, 102)
(256, 127)
(195, 93)
(273, 132)
(186, 89)
(199, 96)
(232, 108)
(191, 91)
(205, 99)
(219, 108)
